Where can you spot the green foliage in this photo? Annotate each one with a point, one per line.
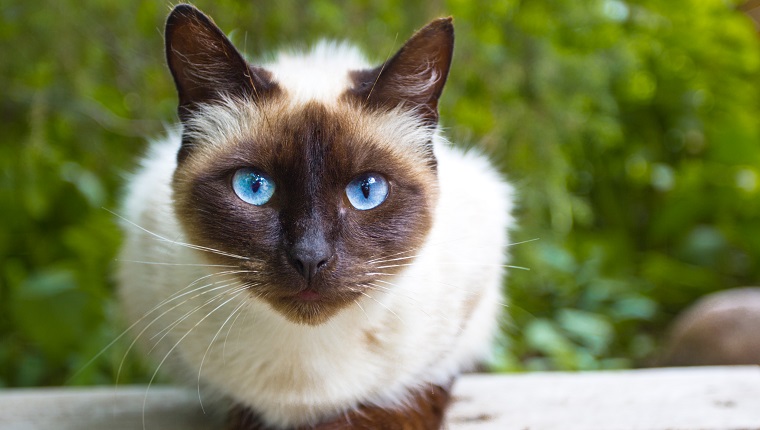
(629, 127)
(640, 118)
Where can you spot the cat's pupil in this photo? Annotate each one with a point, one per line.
(256, 185)
(365, 188)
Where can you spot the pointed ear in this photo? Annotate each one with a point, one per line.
(205, 65)
(414, 76)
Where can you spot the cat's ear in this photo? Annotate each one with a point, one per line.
(414, 76)
(204, 63)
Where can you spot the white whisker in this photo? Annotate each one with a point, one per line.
(167, 329)
(180, 292)
(203, 360)
(229, 330)
(158, 263)
(466, 291)
(362, 309)
(389, 260)
(397, 293)
(153, 377)
(139, 335)
(391, 291)
(373, 260)
(523, 241)
(139, 320)
(386, 307)
(506, 266)
(187, 245)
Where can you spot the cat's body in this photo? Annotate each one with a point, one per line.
(307, 325)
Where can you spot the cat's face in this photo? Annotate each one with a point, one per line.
(309, 201)
(281, 197)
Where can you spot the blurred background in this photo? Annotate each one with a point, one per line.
(631, 129)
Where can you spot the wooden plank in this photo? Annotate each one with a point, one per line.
(107, 408)
(696, 398)
(699, 398)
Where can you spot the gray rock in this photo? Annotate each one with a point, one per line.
(722, 328)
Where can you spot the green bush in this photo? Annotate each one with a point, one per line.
(630, 129)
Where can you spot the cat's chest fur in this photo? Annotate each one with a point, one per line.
(224, 294)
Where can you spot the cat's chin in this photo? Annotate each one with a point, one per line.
(310, 307)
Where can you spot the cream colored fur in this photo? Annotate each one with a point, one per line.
(433, 320)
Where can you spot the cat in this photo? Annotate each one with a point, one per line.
(309, 250)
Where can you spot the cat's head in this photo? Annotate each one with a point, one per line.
(311, 198)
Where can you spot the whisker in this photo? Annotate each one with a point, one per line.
(506, 266)
(187, 245)
(373, 260)
(458, 288)
(229, 330)
(362, 309)
(153, 377)
(387, 258)
(386, 307)
(391, 291)
(174, 296)
(419, 304)
(523, 241)
(390, 266)
(509, 266)
(185, 292)
(181, 292)
(167, 329)
(382, 68)
(158, 263)
(397, 293)
(203, 360)
(245, 318)
(157, 318)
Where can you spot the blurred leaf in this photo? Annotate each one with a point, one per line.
(590, 330)
(44, 285)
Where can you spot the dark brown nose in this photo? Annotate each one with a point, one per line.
(309, 254)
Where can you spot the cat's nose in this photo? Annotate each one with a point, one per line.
(308, 267)
(309, 255)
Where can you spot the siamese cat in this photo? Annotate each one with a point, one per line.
(309, 250)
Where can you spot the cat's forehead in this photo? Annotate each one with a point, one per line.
(320, 74)
(220, 128)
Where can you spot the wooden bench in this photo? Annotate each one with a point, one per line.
(697, 398)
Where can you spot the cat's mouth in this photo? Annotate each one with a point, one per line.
(308, 295)
(304, 301)
(311, 306)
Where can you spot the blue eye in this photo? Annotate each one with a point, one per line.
(367, 191)
(252, 186)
